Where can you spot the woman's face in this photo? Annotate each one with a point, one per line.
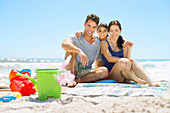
(114, 32)
(102, 32)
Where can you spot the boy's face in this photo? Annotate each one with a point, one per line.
(102, 33)
(90, 28)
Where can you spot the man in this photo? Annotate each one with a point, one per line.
(88, 48)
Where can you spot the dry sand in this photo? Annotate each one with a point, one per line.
(80, 104)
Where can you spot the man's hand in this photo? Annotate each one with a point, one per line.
(84, 59)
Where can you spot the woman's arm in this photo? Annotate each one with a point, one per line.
(127, 49)
(99, 63)
(125, 52)
(106, 52)
(129, 53)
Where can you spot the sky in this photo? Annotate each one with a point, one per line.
(37, 28)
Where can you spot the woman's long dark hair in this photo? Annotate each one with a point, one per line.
(120, 40)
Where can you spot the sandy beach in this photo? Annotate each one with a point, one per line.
(84, 104)
(80, 104)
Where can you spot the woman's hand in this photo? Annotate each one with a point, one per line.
(128, 44)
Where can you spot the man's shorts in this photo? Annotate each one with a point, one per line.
(81, 70)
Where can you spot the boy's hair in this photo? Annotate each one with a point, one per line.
(102, 24)
(93, 17)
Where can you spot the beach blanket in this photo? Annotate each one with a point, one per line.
(117, 89)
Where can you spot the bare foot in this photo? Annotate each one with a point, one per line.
(127, 81)
(71, 84)
(153, 84)
(134, 78)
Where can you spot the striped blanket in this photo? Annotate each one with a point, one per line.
(117, 89)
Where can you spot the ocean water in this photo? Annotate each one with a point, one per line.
(159, 69)
(6, 65)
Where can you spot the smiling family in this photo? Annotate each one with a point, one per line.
(112, 55)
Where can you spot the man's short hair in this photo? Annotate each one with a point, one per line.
(93, 17)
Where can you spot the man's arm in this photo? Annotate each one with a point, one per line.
(68, 46)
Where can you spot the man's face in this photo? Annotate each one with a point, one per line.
(90, 28)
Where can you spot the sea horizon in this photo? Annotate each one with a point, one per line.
(58, 60)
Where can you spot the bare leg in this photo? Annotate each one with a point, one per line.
(131, 76)
(142, 73)
(97, 74)
(121, 71)
(115, 73)
(72, 63)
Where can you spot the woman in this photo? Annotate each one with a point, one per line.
(116, 57)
